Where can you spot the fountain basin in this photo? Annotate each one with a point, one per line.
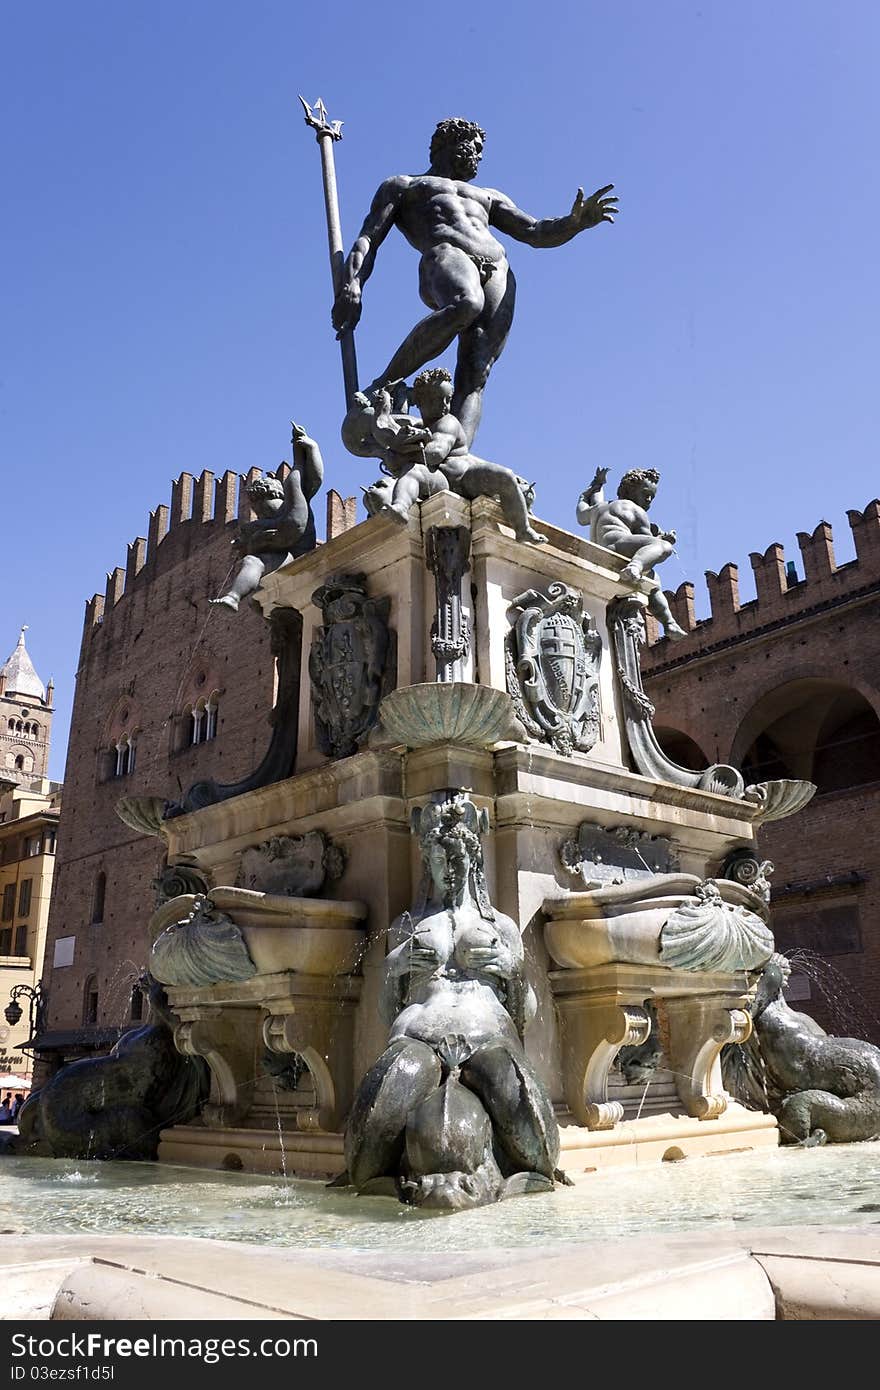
(659, 921)
(786, 1187)
(311, 936)
(110, 1241)
(457, 712)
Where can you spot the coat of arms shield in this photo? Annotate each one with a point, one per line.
(347, 663)
(552, 660)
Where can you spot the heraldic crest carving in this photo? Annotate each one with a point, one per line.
(552, 661)
(348, 662)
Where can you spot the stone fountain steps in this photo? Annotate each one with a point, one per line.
(306, 1155)
(660, 1097)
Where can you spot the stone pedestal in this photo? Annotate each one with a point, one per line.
(232, 1026)
(601, 1010)
(536, 797)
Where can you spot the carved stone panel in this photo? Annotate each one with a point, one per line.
(552, 661)
(447, 550)
(347, 663)
(601, 855)
(297, 866)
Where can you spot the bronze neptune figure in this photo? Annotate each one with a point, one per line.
(464, 277)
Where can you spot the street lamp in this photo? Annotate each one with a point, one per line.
(36, 1007)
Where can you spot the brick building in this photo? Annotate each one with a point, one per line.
(169, 691)
(788, 685)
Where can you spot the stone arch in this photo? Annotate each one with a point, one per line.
(813, 728)
(196, 708)
(200, 720)
(682, 748)
(116, 756)
(123, 719)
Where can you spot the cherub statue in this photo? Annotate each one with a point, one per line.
(380, 426)
(418, 453)
(285, 525)
(623, 526)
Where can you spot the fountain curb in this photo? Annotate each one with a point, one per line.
(789, 1273)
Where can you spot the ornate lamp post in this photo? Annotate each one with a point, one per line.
(36, 1008)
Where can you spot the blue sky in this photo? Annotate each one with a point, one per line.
(166, 288)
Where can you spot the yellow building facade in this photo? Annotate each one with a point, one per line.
(30, 806)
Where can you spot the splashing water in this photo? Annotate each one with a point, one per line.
(285, 1179)
(850, 1014)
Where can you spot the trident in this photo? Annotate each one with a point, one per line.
(326, 132)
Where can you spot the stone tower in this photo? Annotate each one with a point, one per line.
(25, 719)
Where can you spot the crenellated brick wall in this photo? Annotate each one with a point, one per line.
(151, 643)
(780, 596)
(814, 638)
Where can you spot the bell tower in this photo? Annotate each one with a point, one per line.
(25, 719)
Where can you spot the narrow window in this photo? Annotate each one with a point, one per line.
(197, 719)
(21, 940)
(210, 720)
(24, 896)
(90, 1005)
(125, 756)
(98, 894)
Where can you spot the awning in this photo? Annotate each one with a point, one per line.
(10, 1082)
